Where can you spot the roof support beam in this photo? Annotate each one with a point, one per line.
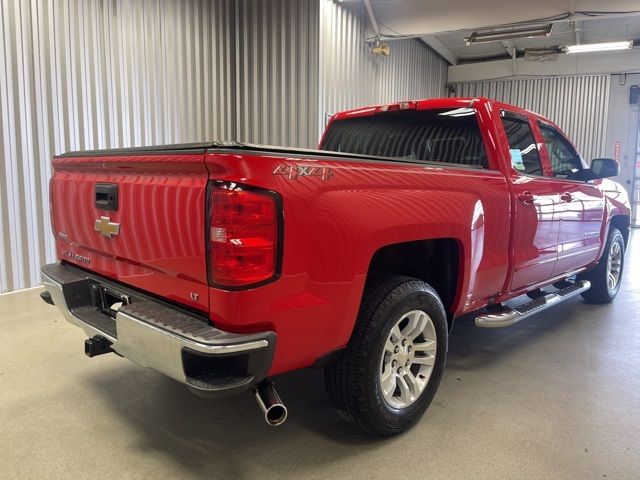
(577, 26)
(372, 17)
(440, 48)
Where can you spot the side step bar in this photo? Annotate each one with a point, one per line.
(508, 316)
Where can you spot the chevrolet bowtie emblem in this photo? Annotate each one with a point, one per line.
(106, 227)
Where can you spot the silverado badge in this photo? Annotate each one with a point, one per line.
(77, 257)
(106, 227)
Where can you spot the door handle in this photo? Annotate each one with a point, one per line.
(527, 198)
(566, 197)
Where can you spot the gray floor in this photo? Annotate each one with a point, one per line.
(557, 396)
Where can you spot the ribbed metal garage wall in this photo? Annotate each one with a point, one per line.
(350, 76)
(77, 74)
(277, 72)
(578, 104)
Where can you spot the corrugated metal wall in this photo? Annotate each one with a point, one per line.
(82, 74)
(579, 105)
(77, 74)
(350, 76)
(277, 72)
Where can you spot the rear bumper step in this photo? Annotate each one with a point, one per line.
(508, 316)
(177, 343)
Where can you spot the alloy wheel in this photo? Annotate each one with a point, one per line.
(408, 358)
(614, 266)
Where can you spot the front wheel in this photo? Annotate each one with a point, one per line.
(606, 277)
(392, 366)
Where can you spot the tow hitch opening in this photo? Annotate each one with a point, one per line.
(109, 301)
(97, 345)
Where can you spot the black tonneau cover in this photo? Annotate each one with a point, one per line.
(198, 147)
(204, 147)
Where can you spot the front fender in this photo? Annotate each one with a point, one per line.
(617, 204)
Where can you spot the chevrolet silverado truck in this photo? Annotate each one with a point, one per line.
(224, 264)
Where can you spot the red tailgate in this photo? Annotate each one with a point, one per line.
(154, 239)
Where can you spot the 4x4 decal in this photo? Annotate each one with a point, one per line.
(293, 172)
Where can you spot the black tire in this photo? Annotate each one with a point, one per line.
(353, 382)
(600, 291)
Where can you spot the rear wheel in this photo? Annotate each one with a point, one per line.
(392, 366)
(606, 277)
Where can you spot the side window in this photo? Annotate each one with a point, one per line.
(522, 146)
(565, 161)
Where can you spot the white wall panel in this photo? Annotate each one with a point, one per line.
(350, 76)
(578, 104)
(624, 121)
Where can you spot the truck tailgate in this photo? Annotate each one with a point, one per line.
(135, 217)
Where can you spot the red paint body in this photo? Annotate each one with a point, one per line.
(332, 228)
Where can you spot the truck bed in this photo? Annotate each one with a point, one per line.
(330, 202)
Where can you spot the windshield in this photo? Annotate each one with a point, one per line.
(437, 135)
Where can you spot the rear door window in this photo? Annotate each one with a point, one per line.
(438, 135)
(525, 156)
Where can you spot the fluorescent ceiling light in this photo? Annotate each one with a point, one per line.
(599, 47)
(495, 36)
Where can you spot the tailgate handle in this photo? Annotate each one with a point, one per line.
(107, 196)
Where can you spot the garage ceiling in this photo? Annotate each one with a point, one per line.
(562, 33)
(432, 16)
(444, 25)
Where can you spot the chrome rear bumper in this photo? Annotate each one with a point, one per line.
(160, 336)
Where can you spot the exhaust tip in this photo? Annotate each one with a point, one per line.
(275, 413)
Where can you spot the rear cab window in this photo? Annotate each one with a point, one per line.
(449, 136)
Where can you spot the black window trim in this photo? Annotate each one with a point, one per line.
(514, 116)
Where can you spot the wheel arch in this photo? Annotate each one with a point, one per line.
(436, 261)
(622, 223)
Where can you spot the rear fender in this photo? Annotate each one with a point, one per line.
(334, 224)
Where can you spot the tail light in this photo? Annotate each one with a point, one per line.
(244, 235)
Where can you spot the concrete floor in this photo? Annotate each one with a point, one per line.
(557, 396)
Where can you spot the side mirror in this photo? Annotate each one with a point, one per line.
(604, 167)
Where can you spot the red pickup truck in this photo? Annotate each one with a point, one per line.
(224, 264)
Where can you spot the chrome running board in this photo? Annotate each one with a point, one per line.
(508, 316)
